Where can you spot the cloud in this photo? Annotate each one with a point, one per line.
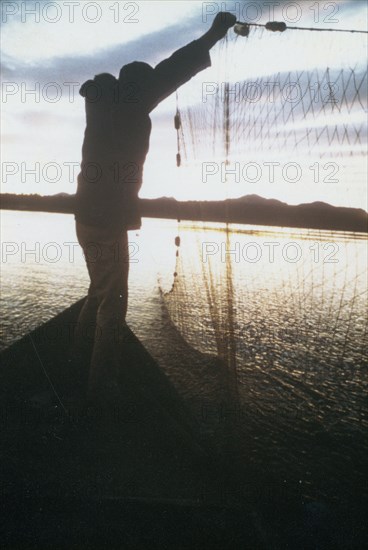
(151, 48)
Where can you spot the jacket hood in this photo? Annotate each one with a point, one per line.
(101, 86)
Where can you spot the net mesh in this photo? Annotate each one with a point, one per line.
(246, 111)
(290, 327)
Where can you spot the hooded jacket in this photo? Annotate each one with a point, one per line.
(118, 128)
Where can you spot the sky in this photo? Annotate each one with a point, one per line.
(50, 48)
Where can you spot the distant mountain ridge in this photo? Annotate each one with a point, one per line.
(249, 209)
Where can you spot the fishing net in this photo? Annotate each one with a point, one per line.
(282, 309)
(254, 104)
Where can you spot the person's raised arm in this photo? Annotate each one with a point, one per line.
(189, 60)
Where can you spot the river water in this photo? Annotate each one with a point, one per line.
(278, 316)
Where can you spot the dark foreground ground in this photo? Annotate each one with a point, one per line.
(138, 474)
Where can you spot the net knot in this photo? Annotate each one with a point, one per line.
(242, 29)
(177, 121)
(274, 26)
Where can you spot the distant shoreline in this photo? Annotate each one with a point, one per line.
(250, 210)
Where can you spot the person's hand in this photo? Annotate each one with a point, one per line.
(222, 23)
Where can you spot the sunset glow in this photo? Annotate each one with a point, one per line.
(45, 62)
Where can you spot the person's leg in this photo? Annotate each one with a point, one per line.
(86, 324)
(102, 317)
(108, 265)
(83, 340)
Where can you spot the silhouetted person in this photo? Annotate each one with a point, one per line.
(115, 146)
